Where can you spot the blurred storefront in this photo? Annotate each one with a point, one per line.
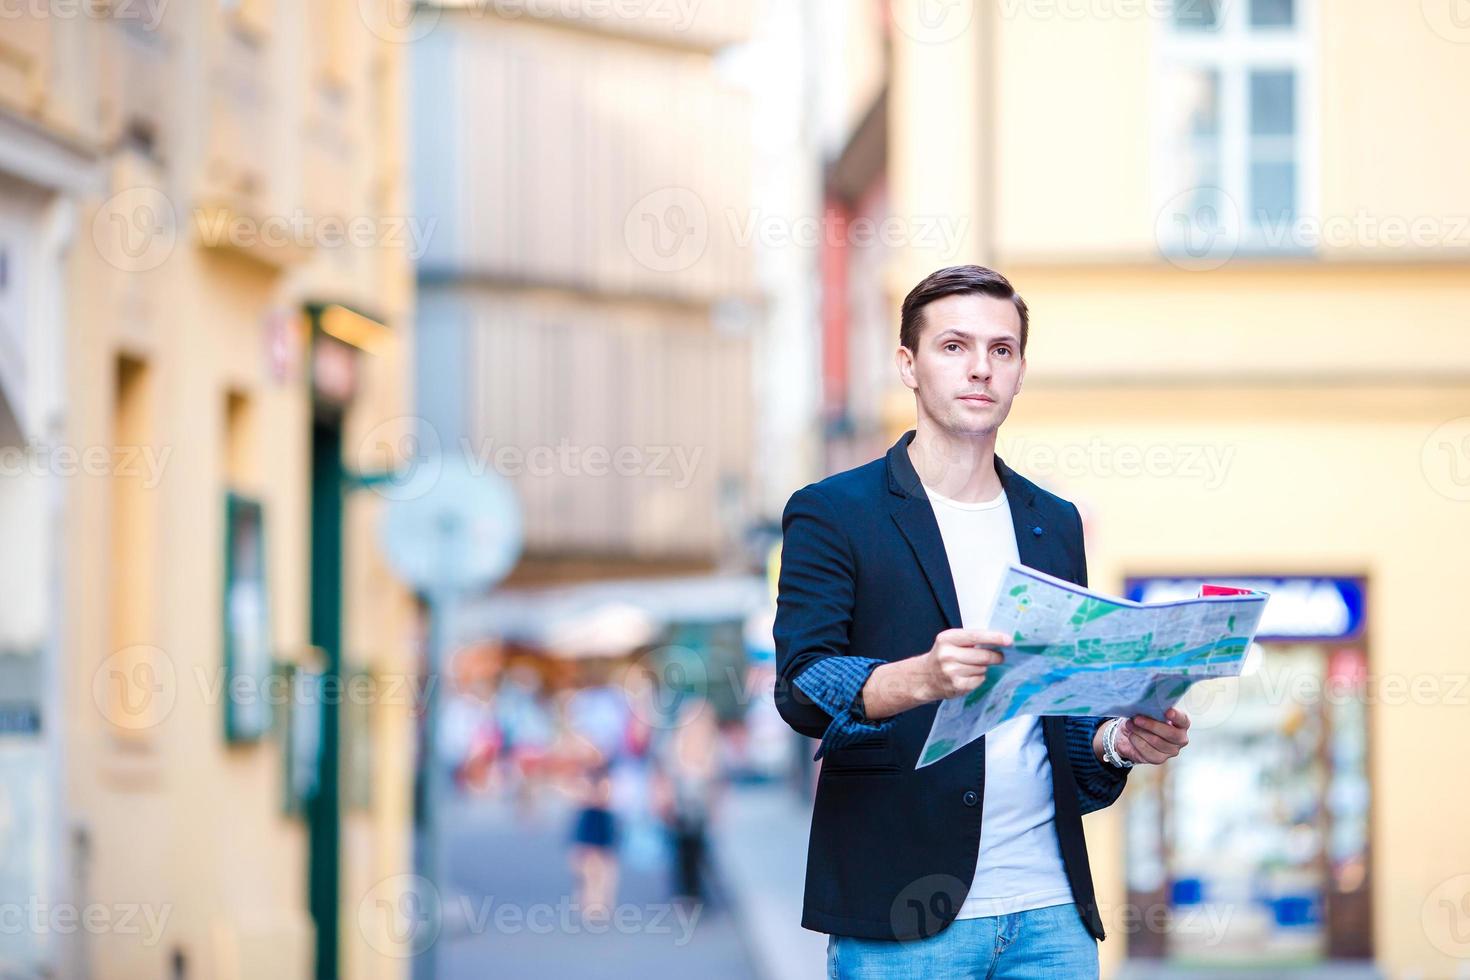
(196, 345)
(1241, 364)
(1256, 841)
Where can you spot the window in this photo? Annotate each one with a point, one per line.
(1233, 124)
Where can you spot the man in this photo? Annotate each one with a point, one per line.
(974, 866)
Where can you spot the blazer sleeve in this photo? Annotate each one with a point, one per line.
(817, 681)
(1098, 784)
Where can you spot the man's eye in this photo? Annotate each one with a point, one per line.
(951, 346)
(1003, 350)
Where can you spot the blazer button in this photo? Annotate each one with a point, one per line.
(971, 797)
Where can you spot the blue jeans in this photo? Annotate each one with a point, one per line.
(1036, 945)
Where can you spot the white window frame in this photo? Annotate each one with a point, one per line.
(1234, 49)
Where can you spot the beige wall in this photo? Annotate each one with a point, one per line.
(1318, 385)
(1315, 481)
(1071, 99)
(274, 113)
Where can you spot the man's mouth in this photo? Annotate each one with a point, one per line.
(978, 399)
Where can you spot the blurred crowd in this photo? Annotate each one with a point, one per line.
(634, 765)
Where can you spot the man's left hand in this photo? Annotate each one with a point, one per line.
(1148, 740)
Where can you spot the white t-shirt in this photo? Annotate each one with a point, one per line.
(1020, 862)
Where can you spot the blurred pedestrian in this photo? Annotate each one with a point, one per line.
(594, 845)
(690, 777)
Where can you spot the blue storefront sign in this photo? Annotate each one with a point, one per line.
(1301, 607)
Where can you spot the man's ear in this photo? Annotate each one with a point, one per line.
(904, 358)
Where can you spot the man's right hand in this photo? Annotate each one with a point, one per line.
(957, 662)
(955, 665)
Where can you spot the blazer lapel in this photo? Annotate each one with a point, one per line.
(1034, 539)
(914, 516)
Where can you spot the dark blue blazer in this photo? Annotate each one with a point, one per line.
(864, 574)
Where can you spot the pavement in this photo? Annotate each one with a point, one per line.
(509, 908)
(761, 841)
(510, 912)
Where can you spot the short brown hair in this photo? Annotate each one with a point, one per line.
(952, 281)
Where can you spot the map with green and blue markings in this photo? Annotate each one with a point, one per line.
(1079, 652)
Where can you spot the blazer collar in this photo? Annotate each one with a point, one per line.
(915, 518)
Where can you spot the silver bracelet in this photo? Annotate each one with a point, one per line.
(1110, 746)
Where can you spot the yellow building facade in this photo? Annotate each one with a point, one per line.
(1242, 233)
(213, 762)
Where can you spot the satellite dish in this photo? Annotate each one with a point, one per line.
(452, 527)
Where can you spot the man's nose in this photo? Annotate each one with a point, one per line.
(980, 369)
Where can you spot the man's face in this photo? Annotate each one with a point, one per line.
(968, 366)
